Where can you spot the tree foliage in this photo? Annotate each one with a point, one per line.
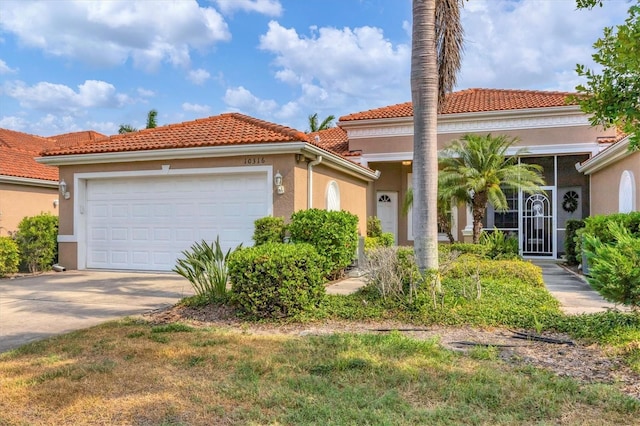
(315, 125)
(477, 168)
(152, 123)
(612, 96)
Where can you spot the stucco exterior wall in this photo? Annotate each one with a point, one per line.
(19, 201)
(528, 137)
(353, 193)
(605, 185)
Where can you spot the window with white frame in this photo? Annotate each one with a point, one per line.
(333, 196)
(627, 192)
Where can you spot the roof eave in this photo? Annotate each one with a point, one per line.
(612, 154)
(336, 161)
(16, 180)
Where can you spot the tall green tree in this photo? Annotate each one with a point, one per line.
(612, 95)
(477, 168)
(316, 126)
(151, 123)
(436, 50)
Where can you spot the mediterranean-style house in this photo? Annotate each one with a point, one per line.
(28, 188)
(588, 170)
(136, 201)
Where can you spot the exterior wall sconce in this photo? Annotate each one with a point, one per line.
(63, 190)
(406, 163)
(277, 180)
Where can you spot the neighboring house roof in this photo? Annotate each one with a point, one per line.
(473, 100)
(611, 154)
(17, 152)
(76, 138)
(224, 129)
(334, 139)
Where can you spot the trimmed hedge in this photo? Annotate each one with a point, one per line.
(386, 239)
(276, 280)
(464, 248)
(526, 272)
(9, 256)
(269, 230)
(37, 239)
(334, 234)
(570, 248)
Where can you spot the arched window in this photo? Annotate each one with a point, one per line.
(333, 196)
(627, 192)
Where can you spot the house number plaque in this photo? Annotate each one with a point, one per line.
(254, 160)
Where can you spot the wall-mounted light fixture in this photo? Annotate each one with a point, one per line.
(406, 163)
(63, 190)
(277, 180)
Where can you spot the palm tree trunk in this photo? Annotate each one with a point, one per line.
(424, 95)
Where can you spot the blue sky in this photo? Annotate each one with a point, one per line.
(78, 65)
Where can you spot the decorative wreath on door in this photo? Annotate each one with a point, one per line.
(570, 201)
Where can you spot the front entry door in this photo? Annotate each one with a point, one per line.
(387, 209)
(538, 224)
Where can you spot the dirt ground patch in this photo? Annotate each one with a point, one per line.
(585, 363)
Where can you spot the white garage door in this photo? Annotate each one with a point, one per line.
(145, 223)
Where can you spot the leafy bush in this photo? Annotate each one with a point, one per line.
(572, 255)
(525, 272)
(499, 245)
(205, 266)
(37, 239)
(276, 280)
(334, 234)
(598, 226)
(374, 227)
(615, 266)
(269, 230)
(9, 256)
(463, 248)
(386, 239)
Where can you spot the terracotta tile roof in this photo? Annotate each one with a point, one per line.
(224, 129)
(17, 153)
(75, 138)
(334, 139)
(473, 100)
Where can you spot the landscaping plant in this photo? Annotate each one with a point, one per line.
(572, 254)
(37, 239)
(9, 256)
(269, 230)
(276, 280)
(205, 266)
(499, 245)
(615, 266)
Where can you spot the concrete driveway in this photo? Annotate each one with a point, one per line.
(35, 307)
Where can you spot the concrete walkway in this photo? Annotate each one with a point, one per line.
(572, 291)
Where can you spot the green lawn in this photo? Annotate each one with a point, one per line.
(131, 372)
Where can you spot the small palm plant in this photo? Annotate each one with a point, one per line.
(205, 266)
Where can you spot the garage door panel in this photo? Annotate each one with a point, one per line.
(145, 223)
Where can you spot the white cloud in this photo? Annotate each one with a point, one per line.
(198, 76)
(243, 100)
(145, 93)
(14, 123)
(332, 67)
(58, 97)
(196, 108)
(5, 69)
(265, 7)
(111, 32)
(530, 44)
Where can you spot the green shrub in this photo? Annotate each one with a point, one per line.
(615, 265)
(572, 255)
(598, 226)
(386, 239)
(37, 239)
(9, 256)
(205, 266)
(499, 245)
(276, 280)
(374, 227)
(269, 230)
(334, 234)
(469, 265)
(463, 248)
